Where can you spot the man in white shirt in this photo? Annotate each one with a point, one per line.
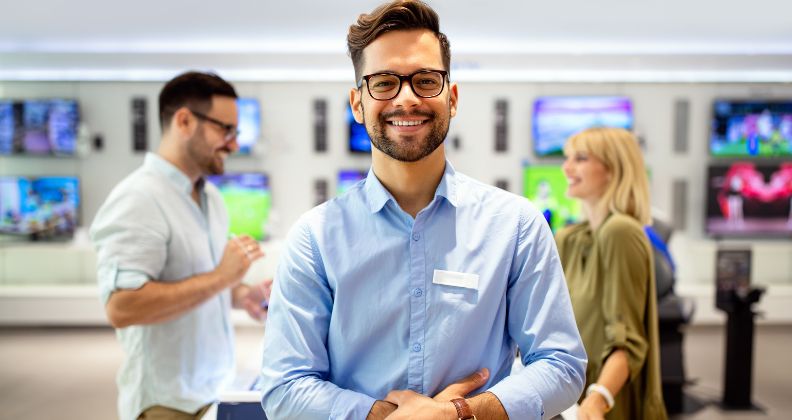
(167, 273)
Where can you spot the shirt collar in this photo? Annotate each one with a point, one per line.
(377, 196)
(171, 172)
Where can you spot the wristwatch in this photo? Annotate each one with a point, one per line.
(463, 409)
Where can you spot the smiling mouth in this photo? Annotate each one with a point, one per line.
(403, 123)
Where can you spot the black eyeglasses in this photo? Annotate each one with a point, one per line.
(386, 86)
(230, 130)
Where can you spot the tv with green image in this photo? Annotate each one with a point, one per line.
(248, 200)
(546, 186)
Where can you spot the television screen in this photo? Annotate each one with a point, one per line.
(546, 187)
(359, 141)
(45, 206)
(347, 178)
(39, 127)
(62, 126)
(7, 126)
(749, 200)
(248, 200)
(751, 128)
(556, 118)
(249, 124)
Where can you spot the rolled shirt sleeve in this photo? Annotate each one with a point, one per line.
(624, 298)
(130, 235)
(542, 323)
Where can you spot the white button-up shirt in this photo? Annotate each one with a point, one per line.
(150, 228)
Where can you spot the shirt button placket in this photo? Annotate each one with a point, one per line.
(415, 370)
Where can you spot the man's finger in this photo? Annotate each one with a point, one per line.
(465, 386)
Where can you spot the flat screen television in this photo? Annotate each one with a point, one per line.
(249, 124)
(347, 178)
(746, 199)
(359, 140)
(39, 126)
(556, 118)
(546, 187)
(248, 200)
(751, 128)
(42, 207)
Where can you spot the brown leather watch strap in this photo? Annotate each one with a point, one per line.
(463, 409)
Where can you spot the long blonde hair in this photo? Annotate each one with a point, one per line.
(617, 149)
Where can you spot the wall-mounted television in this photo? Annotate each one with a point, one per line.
(751, 128)
(359, 140)
(249, 124)
(347, 178)
(41, 207)
(746, 199)
(39, 126)
(556, 118)
(248, 200)
(546, 187)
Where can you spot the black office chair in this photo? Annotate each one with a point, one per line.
(673, 313)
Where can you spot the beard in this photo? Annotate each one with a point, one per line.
(205, 157)
(409, 150)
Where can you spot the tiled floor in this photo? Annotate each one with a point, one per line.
(69, 373)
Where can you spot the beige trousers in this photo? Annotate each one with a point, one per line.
(159, 412)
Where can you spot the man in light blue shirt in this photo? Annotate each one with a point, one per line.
(408, 296)
(166, 274)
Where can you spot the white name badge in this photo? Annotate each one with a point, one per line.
(453, 278)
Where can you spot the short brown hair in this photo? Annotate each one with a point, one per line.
(394, 16)
(191, 89)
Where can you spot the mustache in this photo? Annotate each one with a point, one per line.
(402, 113)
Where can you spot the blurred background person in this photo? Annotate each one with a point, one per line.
(608, 264)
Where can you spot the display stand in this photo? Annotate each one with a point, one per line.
(738, 381)
(736, 297)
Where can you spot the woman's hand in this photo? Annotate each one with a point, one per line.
(593, 407)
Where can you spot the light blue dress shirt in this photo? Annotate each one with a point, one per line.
(150, 228)
(355, 311)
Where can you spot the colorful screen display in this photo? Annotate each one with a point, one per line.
(556, 118)
(248, 200)
(39, 127)
(347, 178)
(750, 200)
(44, 206)
(751, 128)
(249, 124)
(359, 141)
(546, 187)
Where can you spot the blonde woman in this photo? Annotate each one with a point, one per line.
(608, 264)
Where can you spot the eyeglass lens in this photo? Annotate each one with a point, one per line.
(424, 84)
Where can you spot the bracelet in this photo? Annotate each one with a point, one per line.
(599, 389)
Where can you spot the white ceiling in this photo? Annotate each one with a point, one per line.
(473, 26)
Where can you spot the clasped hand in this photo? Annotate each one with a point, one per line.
(412, 405)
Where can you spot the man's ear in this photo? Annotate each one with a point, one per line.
(182, 123)
(453, 99)
(356, 105)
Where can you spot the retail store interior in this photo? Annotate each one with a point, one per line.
(706, 87)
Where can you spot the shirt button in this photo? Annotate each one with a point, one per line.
(417, 292)
(416, 347)
(416, 236)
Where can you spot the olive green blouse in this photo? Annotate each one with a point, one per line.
(610, 274)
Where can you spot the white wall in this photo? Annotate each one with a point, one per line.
(286, 151)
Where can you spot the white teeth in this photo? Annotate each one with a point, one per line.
(223, 155)
(406, 123)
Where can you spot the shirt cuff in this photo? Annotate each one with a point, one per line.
(351, 405)
(519, 398)
(112, 279)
